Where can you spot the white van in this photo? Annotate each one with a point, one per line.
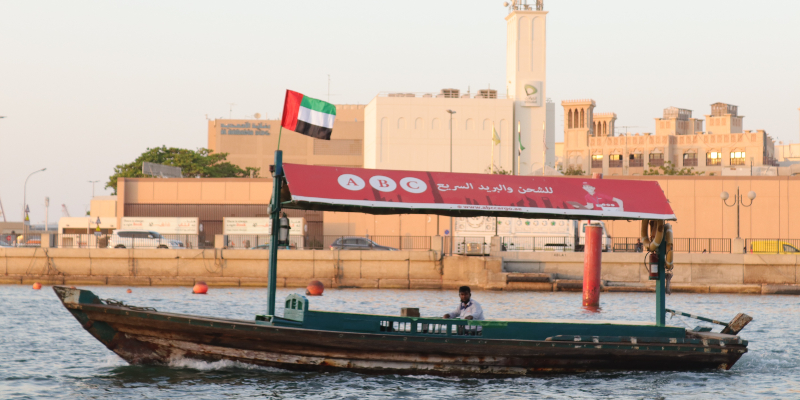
(142, 240)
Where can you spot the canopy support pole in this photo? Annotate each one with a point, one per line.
(275, 214)
(661, 288)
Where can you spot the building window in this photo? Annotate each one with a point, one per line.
(635, 160)
(656, 159)
(569, 119)
(737, 158)
(575, 119)
(690, 160)
(615, 161)
(597, 161)
(435, 123)
(713, 158)
(583, 118)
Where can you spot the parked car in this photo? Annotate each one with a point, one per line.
(355, 243)
(142, 240)
(772, 247)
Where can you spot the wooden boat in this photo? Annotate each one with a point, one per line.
(305, 339)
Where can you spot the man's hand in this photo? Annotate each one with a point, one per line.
(468, 317)
(446, 316)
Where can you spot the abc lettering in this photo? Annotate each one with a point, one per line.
(412, 187)
(351, 182)
(383, 183)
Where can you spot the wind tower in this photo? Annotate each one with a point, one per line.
(526, 81)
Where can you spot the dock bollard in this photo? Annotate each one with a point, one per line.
(592, 259)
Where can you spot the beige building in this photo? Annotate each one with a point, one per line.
(252, 142)
(726, 149)
(412, 130)
(413, 133)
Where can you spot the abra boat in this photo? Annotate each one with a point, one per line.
(305, 339)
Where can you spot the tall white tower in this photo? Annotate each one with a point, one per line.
(526, 79)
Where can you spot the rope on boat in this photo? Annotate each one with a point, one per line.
(119, 303)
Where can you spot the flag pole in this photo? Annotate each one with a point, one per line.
(280, 132)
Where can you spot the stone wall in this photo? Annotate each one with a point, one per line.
(742, 273)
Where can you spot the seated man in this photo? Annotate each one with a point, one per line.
(468, 308)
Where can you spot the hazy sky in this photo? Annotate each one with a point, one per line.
(87, 85)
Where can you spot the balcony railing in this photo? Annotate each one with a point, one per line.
(597, 163)
(713, 161)
(614, 163)
(656, 162)
(689, 162)
(636, 162)
(737, 161)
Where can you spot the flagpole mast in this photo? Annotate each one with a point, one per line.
(280, 132)
(275, 211)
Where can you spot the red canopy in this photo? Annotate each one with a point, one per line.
(375, 191)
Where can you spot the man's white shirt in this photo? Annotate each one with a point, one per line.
(464, 310)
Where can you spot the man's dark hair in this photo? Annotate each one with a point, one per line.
(464, 289)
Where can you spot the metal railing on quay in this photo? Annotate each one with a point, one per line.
(700, 245)
(22, 240)
(261, 241)
(137, 240)
(538, 243)
(396, 242)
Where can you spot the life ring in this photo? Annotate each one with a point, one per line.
(658, 227)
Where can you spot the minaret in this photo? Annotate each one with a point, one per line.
(526, 73)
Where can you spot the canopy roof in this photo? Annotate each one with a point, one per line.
(375, 191)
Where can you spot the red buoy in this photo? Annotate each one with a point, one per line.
(37, 286)
(315, 288)
(200, 288)
(130, 291)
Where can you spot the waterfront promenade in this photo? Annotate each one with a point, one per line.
(514, 271)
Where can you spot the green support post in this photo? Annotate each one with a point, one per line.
(661, 288)
(275, 214)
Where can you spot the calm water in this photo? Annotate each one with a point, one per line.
(44, 353)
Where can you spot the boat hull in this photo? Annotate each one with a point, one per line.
(151, 337)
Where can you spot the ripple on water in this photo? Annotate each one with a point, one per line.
(45, 353)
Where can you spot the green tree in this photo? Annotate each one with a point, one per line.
(572, 170)
(669, 169)
(497, 171)
(202, 162)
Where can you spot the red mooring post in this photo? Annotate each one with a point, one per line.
(591, 266)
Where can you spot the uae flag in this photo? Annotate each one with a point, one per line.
(308, 116)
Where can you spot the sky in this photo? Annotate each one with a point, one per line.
(88, 85)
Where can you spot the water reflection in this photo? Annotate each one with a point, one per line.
(45, 353)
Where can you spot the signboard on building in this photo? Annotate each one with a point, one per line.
(167, 225)
(246, 128)
(533, 94)
(258, 226)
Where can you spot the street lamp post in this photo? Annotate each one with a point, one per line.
(737, 201)
(92, 182)
(25, 202)
(451, 112)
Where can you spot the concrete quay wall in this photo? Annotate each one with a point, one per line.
(699, 273)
